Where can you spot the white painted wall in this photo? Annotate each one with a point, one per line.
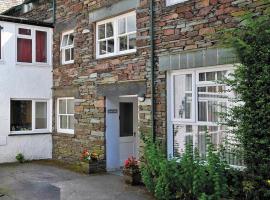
(22, 82)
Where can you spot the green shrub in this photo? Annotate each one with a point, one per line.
(189, 178)
(20, 158)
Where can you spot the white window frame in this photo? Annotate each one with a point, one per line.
(33, 38)
(34, 130)
(115, 36)
(171, 121)
(63, 55)
(59, 130)
(1, 43)
(173, 2)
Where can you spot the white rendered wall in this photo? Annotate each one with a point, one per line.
(22, 82)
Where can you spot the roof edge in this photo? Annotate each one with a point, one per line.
(25, 21)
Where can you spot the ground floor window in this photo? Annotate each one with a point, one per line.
(198, 98)
(29, 115)
(65, 115)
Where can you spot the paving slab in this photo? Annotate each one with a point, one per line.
(31, 181)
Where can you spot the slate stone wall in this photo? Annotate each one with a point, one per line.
(181, 27)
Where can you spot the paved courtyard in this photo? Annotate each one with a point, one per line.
(41, 182)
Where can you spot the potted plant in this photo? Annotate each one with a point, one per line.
(85, 158)
(131, 171)
(92, 161)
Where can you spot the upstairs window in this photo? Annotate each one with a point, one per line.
(116, 36)
(67, 47)
(31, 44)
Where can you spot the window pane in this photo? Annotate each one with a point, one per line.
(65, 41)
(21, 116)
(23, 31)
(41, 46)
(102, 48)
(122, 26)
(123, 43)
(132, 41)
(201, 76)
(70, 106)
(62, 106)
(71, 122)
(24, 50)
(41, 115)
(63, 121)
(72, 54)
(210, 76)
(101, 31)
(71, 39)
(202, 111)
(109, 30)
(183, 96)
(110, 46)
(67, 54)
(131, 23)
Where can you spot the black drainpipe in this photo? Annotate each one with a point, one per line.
(152, 63)
(54, 11)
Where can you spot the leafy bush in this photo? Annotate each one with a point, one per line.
(251, 118)
(189, 178)
(20, 158)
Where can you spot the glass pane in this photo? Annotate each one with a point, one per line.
(110, 46)
(183, 96)
(122, 26)
(63, 122)
(221, 75)
(212, 111)
(65, 41)
(67, 54)
(109, 30)
(23, 31)
(72, 54)
(41, 115)
(71, 39)
(71, 122)
(210, 76)
(131, 23)
(62, 106)
(102, 48)
(132, 41)
(41, 46)
(101, 31)
(21, 116)
(70, 106)
(201, 76)
(202, 111)
(24, 50)
(123, 43)
(126, 119)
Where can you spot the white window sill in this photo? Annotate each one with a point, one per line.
(33, 64)
(174, 3)
(68, 63)
(124, 53)
(69, 132)
(25, 133)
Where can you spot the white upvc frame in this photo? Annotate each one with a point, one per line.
(59, 130)
(63, 49)
(170, 99)
(115, 36)
(1, 43)
(173, 2)
(34, 130)
(33, 38)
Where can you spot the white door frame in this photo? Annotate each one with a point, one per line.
(113, 129)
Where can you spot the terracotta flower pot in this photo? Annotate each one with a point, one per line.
(132, 176)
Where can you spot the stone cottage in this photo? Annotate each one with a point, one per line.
(123, 68)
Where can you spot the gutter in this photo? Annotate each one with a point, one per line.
(152, 63)
(54, 11)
